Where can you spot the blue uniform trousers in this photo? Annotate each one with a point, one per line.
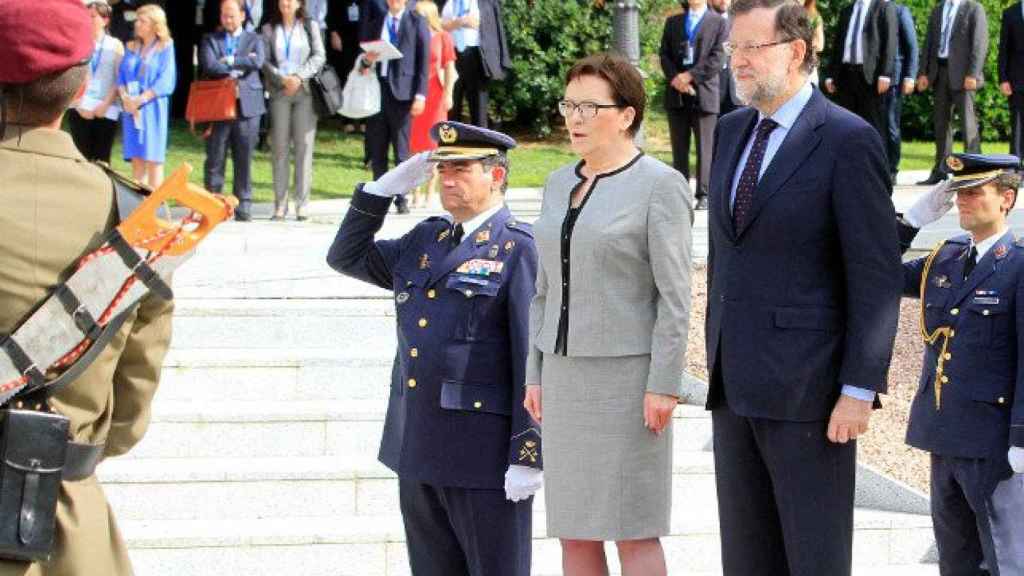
(978, 516)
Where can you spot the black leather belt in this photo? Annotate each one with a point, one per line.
(81, 460)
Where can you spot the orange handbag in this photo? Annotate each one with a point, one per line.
(211, 101)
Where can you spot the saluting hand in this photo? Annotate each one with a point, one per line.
(930, 206)
(849, 419)
(658, 411)
(532, 401)
(401, 179)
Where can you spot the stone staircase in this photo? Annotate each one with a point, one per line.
(260, 458)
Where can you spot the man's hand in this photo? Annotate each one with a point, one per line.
(883, 85)
(830, 86)
(532, 401)
(521, 482)
(418, 105)
(470, 21)
(658, 411)
(922, 83)
(908, 86)
(970, 83)
(931, 205)
(681, 82)
(401, 179)
(1016, 457)
(1006, 89)
(849, 419)
(371, 57)
(336, 41)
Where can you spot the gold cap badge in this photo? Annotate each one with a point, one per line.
(954, 163)
(448, 134)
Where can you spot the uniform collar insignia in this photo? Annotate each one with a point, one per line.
(1000, 251)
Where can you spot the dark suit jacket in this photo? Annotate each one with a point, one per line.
(1011, 48)
(408, 75)
(493, 41)
(707, 62)
(879, 42)
(906, 53)
(249, 57)
(805, 297)
(968, 44)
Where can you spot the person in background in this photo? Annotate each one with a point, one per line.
(439, 93)
(906, 70)
(93, 118)
(481, 52)
(343, 41)
(819, 34)
(1011, 71)
(295, 53)
(236, 53)
(145, 82)
(728, 101)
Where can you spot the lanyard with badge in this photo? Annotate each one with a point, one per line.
(230, 43)
(287, 67)
(94, 65)
(691, 29)
(145, 53)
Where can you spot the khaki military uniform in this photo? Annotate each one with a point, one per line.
(54, 208)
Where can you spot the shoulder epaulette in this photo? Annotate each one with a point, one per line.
(519, 226)
(961, 239)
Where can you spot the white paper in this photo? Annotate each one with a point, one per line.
(384, 49)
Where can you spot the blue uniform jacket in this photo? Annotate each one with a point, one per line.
(982, 409)
(455, 416)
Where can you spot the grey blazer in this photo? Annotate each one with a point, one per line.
(312, 63)
(629, 278)
(968, 44)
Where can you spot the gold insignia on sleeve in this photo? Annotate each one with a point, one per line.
(448, 134)
(424, 262)
(444, 234)
(954, 163)
(528, 451)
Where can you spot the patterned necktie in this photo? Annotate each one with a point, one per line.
(855, 45)
(972, 261)
(946, 25)
(751, 172)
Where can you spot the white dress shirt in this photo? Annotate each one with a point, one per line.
(471, 225)
(464, 37)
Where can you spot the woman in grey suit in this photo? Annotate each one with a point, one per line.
(295, 53)
(609, 327)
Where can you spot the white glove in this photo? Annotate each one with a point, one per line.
(1016, 457)
(521, 482)
(931, 205)
(401, 179)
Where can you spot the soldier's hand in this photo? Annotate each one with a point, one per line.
(532, 401)
(658, 411)
(931, 205)
(521, 482)
(849, 419)
(401, 179)
(1016, 457)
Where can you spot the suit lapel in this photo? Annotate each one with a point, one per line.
(987, 266)
(470, 246)
(801, 140)
(724, 211)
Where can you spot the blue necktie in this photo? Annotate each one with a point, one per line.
(947, 24)
(751, 172)
(460, 11)
(392, 30)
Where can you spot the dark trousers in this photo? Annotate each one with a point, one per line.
(858, 96)
(785, 497)
(978, 516)
(388, 128)
(472, 84)
(465, 532)
(681, 122)
(93, 138)
(892, 106)
(1016, 124)
(240, 136)
(948, 98)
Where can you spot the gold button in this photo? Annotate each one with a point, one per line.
(948, 355)
(412, 382)
(952, 333)
(984, 312)
(1001, 400)
(414, 352)
(477, 404)
(469, 293)
(945, 378)
(422, 322)
(431, 294)
(954, 311)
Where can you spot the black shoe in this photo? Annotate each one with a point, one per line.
(242, 216)
(931, 180)
(702, 203)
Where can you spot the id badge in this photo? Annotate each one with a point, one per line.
(688, 54)
(353, 12)
(133, 88)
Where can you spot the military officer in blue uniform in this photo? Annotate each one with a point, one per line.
(969, 408)
(467, 454)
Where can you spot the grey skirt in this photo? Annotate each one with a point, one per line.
(606, 476)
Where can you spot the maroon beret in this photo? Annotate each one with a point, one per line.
(42, 37)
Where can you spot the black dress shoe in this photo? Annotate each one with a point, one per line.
(241, 216)
(931, 180)
(702, 203)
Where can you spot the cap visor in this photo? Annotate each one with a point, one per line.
(451, 153)
(971, 182)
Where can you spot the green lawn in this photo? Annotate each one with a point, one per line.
(337, 159)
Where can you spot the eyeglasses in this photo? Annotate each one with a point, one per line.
(732, 48)
(587, 110)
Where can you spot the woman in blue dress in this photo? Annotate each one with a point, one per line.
(145, 82)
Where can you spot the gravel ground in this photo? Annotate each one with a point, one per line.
(882, 447)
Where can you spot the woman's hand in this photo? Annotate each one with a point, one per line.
(532, 401)
(100, 110)
(658, 411)
(291, 85)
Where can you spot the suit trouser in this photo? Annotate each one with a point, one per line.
(859, 97)
(682, 121)
(892, 104)
(465, 532)
(292, 131)
(948, 97)
(241, 135)
(472, 84)
(1016, 124)
(785, 497)
(978, 516)
(93, 138)
(390, 126)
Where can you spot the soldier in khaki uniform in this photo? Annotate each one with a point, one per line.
(54, 208)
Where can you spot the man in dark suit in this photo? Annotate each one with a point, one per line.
(952, 63)
(1011, 71)
(864, 59)
(728, 101)
(403, 85)
(466, 452)
(236, 53)
(481, 51)
(969, 409)
(691, 58)
(903, 85)
(803, 300)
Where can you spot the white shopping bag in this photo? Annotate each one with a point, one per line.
(361, 96)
